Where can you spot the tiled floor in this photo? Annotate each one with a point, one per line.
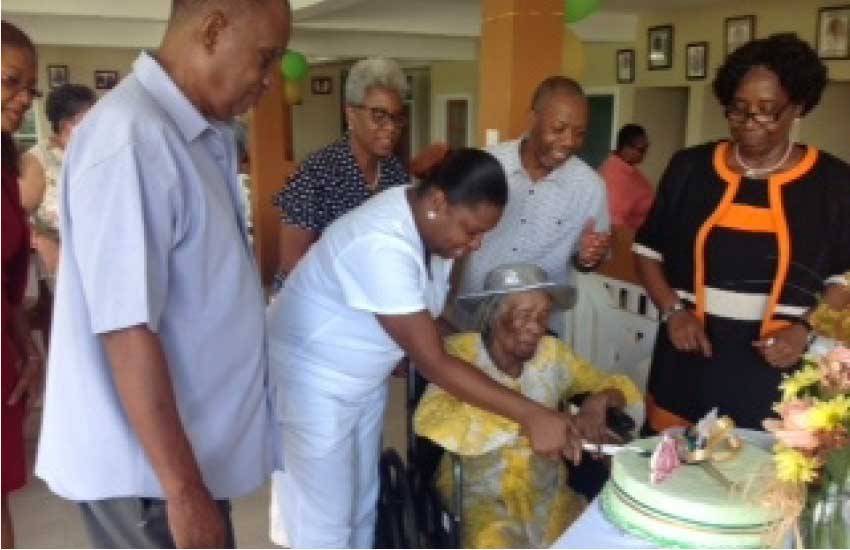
(43, 520)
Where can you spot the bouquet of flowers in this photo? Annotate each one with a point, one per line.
(812, 454)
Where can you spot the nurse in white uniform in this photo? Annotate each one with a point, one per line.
(365, 295)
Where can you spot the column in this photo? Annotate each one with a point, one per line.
(271, 165)
(521, 44)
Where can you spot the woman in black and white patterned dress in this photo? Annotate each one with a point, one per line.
(344, 174)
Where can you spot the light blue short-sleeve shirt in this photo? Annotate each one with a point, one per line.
(153, 234)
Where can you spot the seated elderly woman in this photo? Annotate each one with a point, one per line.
(513, 498)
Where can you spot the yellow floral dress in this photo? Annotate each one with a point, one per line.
(512, 498)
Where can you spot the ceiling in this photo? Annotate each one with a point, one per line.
(411, 29)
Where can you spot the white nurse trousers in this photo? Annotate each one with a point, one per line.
(327, 494)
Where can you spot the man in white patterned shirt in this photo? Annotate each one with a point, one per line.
(557, 212)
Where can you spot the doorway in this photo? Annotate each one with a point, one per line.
(663, 112)
(602, 125)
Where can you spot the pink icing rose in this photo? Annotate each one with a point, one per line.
(664, 460)
(792, 430)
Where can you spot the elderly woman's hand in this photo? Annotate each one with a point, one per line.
(783, 348)
(553, 434)
(592, 416)
(687, 333)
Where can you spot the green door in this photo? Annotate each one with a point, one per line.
(597, 142)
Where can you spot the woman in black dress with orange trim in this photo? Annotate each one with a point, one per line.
(744, 236)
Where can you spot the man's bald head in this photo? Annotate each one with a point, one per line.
(552, 86)
(183, 10)
(225, 51)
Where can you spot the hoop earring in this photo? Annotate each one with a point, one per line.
(431, 215)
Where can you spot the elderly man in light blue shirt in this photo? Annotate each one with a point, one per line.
(156, 411)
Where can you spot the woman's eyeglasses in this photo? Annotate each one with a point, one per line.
(737, 115)
(381, 117)
(16, 86)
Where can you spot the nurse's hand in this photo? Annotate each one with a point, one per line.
(687, 334)
(553, 434)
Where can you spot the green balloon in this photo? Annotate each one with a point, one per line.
(576, 10)
(294, 66)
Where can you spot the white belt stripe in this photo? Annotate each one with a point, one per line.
(740, 306)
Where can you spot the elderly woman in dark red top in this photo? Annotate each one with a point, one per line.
(21, 364)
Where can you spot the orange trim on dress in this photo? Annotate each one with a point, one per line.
(779, 222)
(777, 209)
(660, 419)
(748, 218)
(733, 180)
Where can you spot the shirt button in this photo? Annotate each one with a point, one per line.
(522, 220)
(531, 191)
(515, 249)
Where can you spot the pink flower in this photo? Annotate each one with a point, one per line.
(792, 430)
(664, 460)
(840, 354)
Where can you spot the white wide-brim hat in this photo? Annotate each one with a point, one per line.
(520, 277)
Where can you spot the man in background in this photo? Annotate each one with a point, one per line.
(630, 195)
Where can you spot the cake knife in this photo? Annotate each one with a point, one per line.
(718, 476)
(610, 449)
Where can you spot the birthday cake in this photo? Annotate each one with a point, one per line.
(694, 505)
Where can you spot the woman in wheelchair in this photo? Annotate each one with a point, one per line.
(513, 498)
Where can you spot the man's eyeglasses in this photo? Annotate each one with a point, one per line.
(381, 117)
(15, 84)
(737, 115)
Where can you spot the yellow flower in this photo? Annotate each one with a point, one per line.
(794, 467)
(792, 385)
(829, 415)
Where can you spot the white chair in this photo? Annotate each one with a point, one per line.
(613, 325)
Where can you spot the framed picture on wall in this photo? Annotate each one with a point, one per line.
(625, 66)
(105, 80)
(696, 60)
(738, 31)
(660, 47)
(321, 85)
(833, 33)
(57, 75)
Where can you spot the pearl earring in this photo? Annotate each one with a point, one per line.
(431, 215)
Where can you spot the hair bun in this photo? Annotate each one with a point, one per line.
(428, 161)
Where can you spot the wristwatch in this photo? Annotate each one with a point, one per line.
(810, 330)
(671, 311)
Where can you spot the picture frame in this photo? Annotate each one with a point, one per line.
(833, 32)
(660, 47)
(321, 85)
(696, 60)
(105, 80)
(737, 31)
(625, 66)
(57, 75)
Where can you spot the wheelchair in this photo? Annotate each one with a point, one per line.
(411, 511)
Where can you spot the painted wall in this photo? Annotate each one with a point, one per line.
(453, 78)
(663, 112)
(82, 63)
(317, 121)
(704, 116)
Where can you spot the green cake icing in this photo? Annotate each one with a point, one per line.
(690, 509)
